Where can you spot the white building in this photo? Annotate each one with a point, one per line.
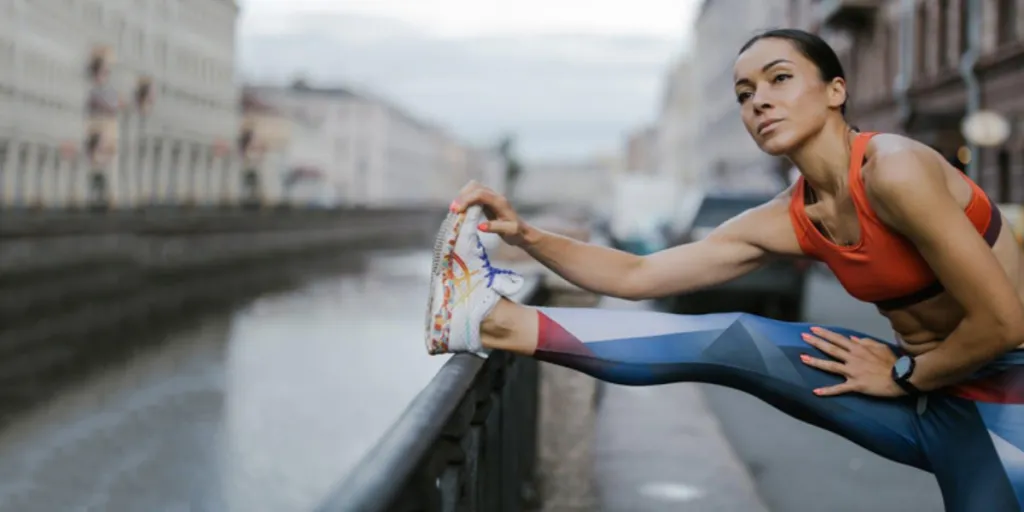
(728, 157)
(678, 133)
(677, 125)
(186, 47)
(370, 151)
(642, 150)
(577, 184)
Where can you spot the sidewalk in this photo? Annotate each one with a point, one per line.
(660, 448)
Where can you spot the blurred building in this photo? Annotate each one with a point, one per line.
(728, 157)
(267, 140)
(677, 125)
(42, 98)
(579, 185)
(360, 149)
(642, 150)
(70, 75)
(677, 137)
(920, 44)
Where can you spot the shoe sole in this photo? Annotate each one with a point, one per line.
(444, 246)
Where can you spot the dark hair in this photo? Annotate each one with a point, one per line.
(811, 46)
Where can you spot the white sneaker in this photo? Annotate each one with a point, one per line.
(464, 286)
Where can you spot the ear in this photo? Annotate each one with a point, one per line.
(836, 92)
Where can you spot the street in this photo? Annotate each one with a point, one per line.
(800, 468)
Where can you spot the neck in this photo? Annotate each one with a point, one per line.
(824, 159)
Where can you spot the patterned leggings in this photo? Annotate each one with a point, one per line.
(970, 437)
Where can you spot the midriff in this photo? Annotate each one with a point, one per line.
(921, 327)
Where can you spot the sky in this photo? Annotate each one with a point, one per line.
(569, 78)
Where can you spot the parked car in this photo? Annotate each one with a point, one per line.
(775, 290)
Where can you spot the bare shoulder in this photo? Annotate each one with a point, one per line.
(898, 165)
(903, 178)
(767, 226)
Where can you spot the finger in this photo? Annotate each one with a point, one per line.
(826, 347)
(821, 364)
(476, 196)
(838, 389)
(833, 337)
(466, 189)
(866, 341)
(495, 206)
(499, 227)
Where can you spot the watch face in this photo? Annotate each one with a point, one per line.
(902, 366)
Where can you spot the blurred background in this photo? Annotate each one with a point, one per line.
(216, 218)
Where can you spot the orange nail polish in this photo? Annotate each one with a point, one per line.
(804, 358)
(482, 226)
(454, 207)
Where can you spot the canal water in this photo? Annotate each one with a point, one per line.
(262, 409)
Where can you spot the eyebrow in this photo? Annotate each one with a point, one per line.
(764, 68)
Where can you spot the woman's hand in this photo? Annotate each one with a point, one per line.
(502, 219)
(866, 364)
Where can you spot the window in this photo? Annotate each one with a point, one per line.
(943, 30)
(173, 170)
(140, 157)
(921, 51)
(41, 154)
(20, 176)
(1017, 178)
(892, 48)
(1003, 168)
(1007, 19)
(965, 16)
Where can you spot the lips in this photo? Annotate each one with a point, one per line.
(766, 124)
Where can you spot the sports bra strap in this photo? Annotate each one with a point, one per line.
(856, 182)
(860, 146)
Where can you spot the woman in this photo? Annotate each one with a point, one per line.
(897, 224)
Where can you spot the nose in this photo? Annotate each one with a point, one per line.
(760, 100)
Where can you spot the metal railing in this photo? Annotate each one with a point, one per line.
(466, 443)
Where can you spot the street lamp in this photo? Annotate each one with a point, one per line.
(986, 128)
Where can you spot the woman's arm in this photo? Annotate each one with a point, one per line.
(735, 248)
(910, 195)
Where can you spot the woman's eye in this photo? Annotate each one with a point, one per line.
(780, 78)
(741, 97)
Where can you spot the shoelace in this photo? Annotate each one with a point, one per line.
(491, 271)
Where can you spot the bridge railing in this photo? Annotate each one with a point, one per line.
(467, 442)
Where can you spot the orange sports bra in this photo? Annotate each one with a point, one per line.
(883, 267)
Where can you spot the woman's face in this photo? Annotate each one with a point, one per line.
(783, 100)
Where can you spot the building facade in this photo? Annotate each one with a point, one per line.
(677, 138)
(366, 150)
(677, 125)
(728, 158)
(581, 185)
(903, 64)
(642, 150)
(70, 77)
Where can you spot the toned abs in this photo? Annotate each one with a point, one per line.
(921, 327)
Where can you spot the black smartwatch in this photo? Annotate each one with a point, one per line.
(901, 372)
